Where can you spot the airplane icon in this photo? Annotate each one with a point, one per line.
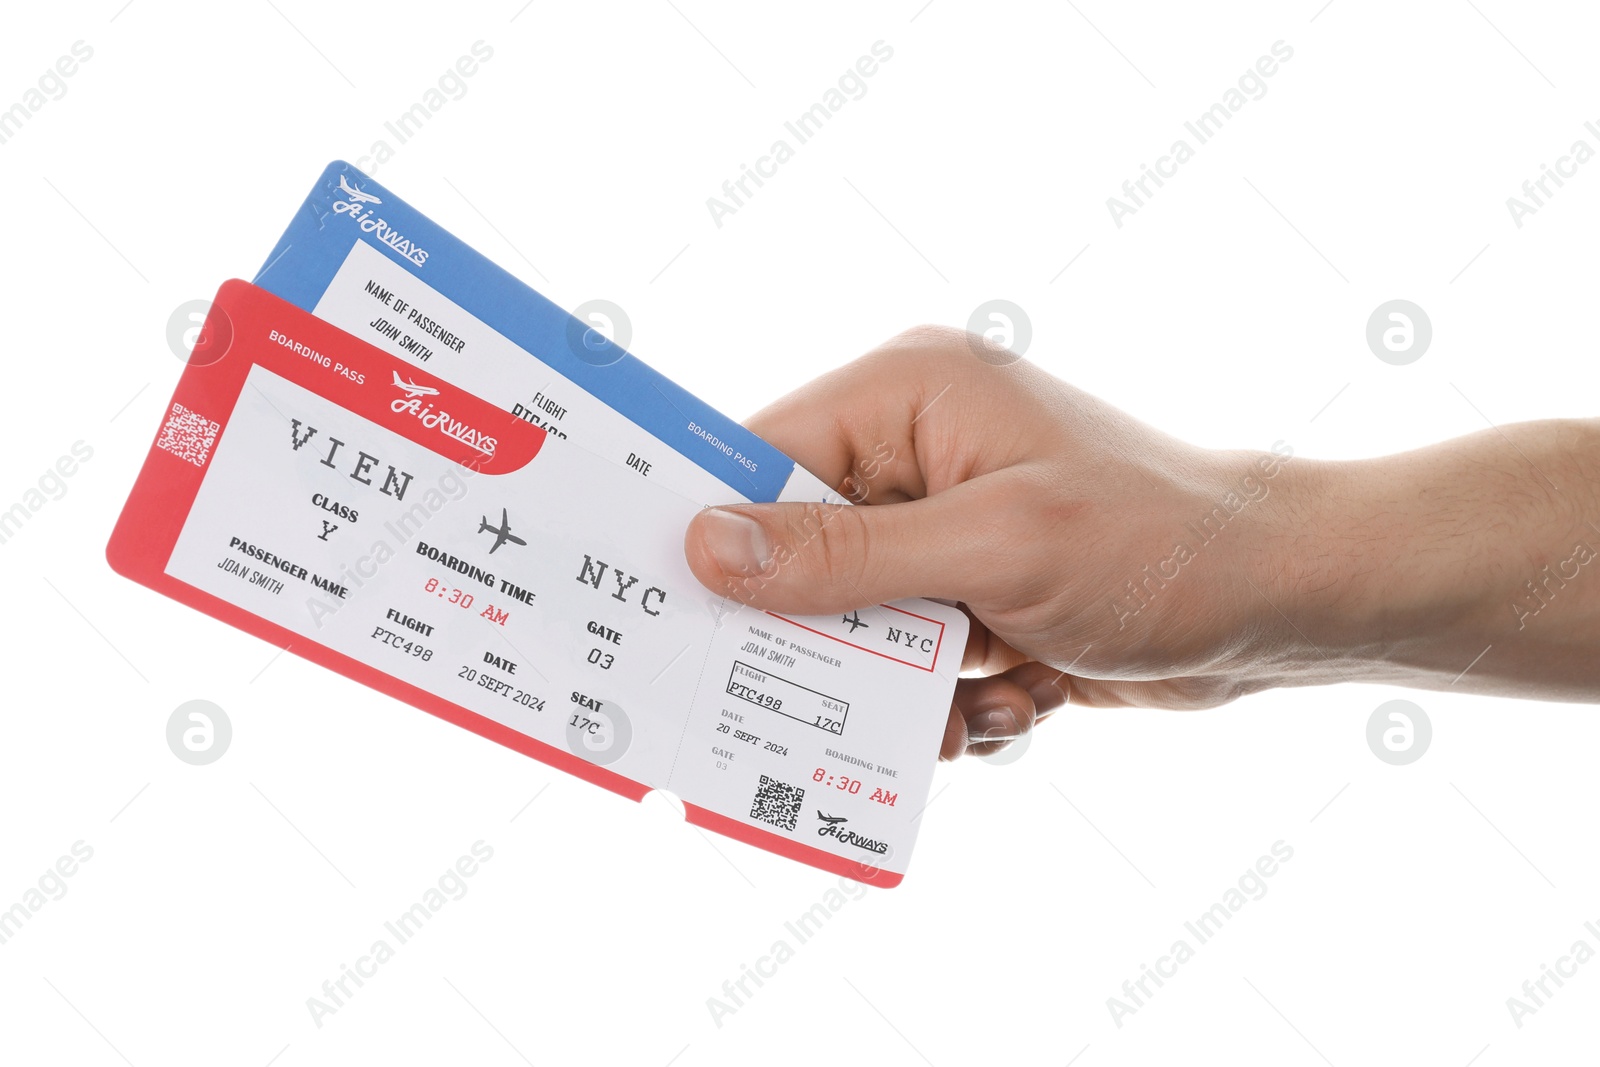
(832, 820)
(854, 619)
(413, 390)
(356, 194)
(502, 533)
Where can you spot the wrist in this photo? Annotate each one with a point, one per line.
(1309, 600)
(1277, 606)
(1349, 583)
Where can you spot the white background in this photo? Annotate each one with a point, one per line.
(1231, 310)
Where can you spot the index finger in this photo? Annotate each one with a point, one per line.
(848, 427)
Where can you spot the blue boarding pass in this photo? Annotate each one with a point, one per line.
(359, 257)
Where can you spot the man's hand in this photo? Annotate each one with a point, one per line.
(1107, 564)
(1046, 512)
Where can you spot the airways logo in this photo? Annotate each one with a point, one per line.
(358, 205)
(442, 421)
(832, 826)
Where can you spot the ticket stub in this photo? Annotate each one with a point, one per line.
(370, 516)
(358, 256)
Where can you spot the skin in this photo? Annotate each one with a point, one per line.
(1055, 520)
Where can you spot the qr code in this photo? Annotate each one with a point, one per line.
(188, 435)
(777, 803)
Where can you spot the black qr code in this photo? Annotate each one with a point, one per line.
(777, 803)
(188, 435)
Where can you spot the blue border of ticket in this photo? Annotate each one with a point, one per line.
(310, 252)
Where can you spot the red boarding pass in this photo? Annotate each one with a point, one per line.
(338, 502)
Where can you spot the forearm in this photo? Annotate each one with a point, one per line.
(1473, 564)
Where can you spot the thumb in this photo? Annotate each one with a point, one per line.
(815, 559)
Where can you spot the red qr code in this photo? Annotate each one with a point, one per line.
(188, 435)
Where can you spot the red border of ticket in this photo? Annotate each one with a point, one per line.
(235, 338)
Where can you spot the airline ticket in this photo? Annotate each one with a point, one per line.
(358, 256)
(371, 516)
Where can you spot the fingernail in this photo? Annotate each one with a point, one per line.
(738, 543)
(992, 727)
